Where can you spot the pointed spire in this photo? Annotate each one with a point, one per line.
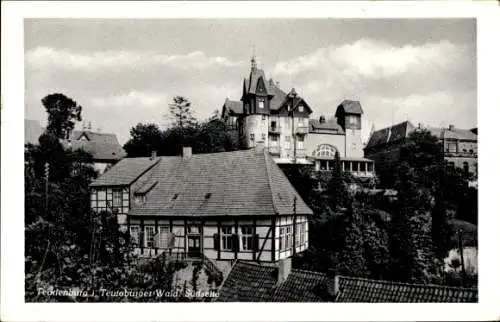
(253, 61)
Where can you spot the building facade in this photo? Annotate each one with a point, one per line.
(209, 204)
(459, 146)
(281, 123)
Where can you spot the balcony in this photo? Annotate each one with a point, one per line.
(301, 130)
(274, 150)
(274, 129)
(300, 153)
(460, 154)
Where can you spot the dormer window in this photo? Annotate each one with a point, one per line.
(353, 120)
(301, 108)
(260, 103)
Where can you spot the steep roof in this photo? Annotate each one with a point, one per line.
(102, 146)
(351, 107)
(251, 282)
(353, 289)
(390, 134)
(233, 107)
(124, 172)
(212, 184)
(32, 131)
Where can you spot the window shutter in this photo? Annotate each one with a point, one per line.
(255, 243)
(216, 242)
(236, 244)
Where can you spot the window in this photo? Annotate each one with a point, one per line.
(134, 234)
(353, 120)
(300, 143)
(323, 165)
(363, 166)
(117, 198)
(164, 231)
(289, 236)
(301, 108)
(302, 233)
(370, 167)
(263, 117)
(140, 199)
(260, 103)
(288, 107)
(273, 124)
(247, 233)
(324, 150)
(273, 137)
(263, 136)
(149, 236)
(282, 238)
(252, 139)
(466, 167)
(193, 229)
(226, 238)
(287, 138)
(355, 166)
(452, 147)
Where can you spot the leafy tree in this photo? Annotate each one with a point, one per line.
(145, 138)
(62, 113)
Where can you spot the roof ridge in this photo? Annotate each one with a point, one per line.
(406, 283)
(309, 272)
(268, 181)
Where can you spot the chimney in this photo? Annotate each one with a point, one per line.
(153, 155)
(284, 269)
(322, 119)
(332, 284)
(451, 127)
(419, 126)
(186, 152)
(277, 84)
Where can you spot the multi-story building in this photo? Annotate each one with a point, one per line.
(219, 206)
(459, 146)
(281, 122)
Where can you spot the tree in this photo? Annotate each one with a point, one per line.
(62, 113)
(145, 138)
(181, 114)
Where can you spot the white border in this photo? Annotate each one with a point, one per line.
(12, 203)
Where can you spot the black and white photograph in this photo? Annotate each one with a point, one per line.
(327, 160)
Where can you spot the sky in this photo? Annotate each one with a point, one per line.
(123, 72)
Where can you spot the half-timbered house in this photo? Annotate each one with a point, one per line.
(224, 206)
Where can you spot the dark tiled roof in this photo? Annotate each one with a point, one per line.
(354, 289)
(390, 134)
(213, 184)
(251, 282)
(328, 126)
(124, 172)
(32, 131)
(255, 74)
(102, 146)
(352, 107)
(247, 282)
(278, 98)
(234, 107)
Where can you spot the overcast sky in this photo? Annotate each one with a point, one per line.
(126, 71)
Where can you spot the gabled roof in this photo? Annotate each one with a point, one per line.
(124, 172)
(329, 126)
(353, 289)
(233, 107)
(212, 184)
(253, 79)
(102, 146)
(390, 134)
(252, 282)
(32, 131)
(350, 107)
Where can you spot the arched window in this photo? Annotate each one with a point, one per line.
(324, 150)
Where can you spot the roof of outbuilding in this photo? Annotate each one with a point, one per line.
(234, 107)
(212, 184)
(102, 146)
(252, 282)
(354, 289)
